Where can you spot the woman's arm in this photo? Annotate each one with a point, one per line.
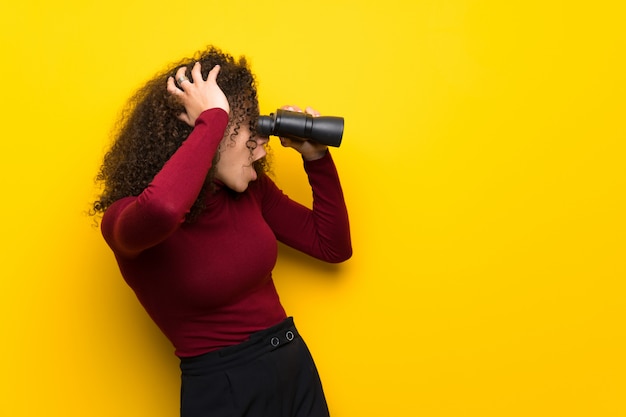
(322, 232)
(134, 224)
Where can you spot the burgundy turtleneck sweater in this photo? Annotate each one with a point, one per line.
(208, 284)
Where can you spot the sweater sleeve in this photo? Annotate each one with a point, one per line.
(323, 231)
(133, 224)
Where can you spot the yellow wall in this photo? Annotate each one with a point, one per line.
(483, 163)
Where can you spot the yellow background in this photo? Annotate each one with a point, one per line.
(483, 164)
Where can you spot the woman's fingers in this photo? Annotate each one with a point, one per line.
(181, 77)
(212, 77)
(197, 95)
(310, 110)
(196, 74)
(292, 108)
(171, 87)
(185, 118)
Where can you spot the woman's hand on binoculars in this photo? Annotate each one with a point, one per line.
(309, 150)
(199, 95)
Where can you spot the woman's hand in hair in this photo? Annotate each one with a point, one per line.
(199, 95)
(310, 150)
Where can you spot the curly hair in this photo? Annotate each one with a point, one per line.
(148, 131)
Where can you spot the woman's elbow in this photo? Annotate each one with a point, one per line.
(339, 255)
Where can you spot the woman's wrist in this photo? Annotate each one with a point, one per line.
(313, 156)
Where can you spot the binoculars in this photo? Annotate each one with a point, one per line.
(327, 130)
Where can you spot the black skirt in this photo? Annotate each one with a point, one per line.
(270, 375)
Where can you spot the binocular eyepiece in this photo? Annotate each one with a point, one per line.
(327, 130)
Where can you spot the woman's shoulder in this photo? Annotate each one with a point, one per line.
(112, 212)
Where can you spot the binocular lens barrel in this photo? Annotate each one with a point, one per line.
(327, 130)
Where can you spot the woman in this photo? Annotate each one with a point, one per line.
(194, 220)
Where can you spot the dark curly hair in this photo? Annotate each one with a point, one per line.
(148, 131)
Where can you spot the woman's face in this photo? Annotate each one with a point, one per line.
(235, 164)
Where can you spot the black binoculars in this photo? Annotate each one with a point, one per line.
(327, 130)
